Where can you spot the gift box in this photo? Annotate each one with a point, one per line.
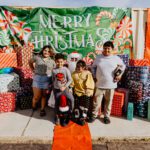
(126, 94)
(141, 107)
(8, 60)
(24, 54)
(25, 76)
(135, 91)
(24, 98)
(9, 82)
(125, 58)
(7, 101)
(117, 104)
(139, 62)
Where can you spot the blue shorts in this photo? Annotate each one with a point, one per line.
(41, 82)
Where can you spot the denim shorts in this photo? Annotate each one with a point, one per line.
(41, 81)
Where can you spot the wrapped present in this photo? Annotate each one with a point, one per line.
(8, 60)
(117, 104)
(7, 101)
(24, 54)
(25, 76)
(148, 113)
(137, 73)
(141, 107)
(24, 98)
(135, 90)
(126, 94)
(125, 58)
(130, 111)
(139, 62)
(9, 82)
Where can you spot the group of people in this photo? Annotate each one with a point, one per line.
(82, 88)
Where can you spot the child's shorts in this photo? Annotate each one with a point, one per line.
(41, 82)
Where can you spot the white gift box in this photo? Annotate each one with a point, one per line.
(9, 82)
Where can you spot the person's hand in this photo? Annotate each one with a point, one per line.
(117, 78)
(62, 88)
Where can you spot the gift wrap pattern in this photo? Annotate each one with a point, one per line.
(125, 58)
(139, 62)
(25, 75)
(8, 60)
(24, 98)
(24, 54)
(117, 104)
(7, 101)
(9, 82)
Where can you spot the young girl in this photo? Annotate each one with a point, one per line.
(83, 89)
(41, 66)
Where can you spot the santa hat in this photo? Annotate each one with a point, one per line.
(63, 107)
(75, 55)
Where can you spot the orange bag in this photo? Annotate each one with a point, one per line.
(72, 137)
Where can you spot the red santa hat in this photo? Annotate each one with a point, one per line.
(63, 107)
(75, 55)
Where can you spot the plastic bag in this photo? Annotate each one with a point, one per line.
(51, 101)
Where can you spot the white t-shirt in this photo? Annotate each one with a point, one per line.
(103, 70)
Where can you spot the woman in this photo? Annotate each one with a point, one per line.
(42, 66)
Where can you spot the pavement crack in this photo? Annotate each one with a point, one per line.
(27, 124)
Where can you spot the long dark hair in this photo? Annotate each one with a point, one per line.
(49, 47)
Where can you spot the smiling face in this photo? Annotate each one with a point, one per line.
(107, 51)
(47, 52)
(59, 63)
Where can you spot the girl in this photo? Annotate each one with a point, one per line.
(42, 66)
(83, 89)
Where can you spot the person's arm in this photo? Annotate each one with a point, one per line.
(93, 69)
(31, 63)
(90, 85)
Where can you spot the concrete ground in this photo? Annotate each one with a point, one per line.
(29, 130)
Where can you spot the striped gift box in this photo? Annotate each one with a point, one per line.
(117, 104)
(139, 62)
(7, 102)
(8, 60)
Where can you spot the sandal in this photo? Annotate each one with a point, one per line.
(42, 113)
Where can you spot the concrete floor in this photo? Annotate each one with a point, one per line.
(25, 123)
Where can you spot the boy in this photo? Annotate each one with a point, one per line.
(106, 81)
(61, 80)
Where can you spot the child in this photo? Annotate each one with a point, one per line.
(83, 85)
(106, 79)
(61, 80)
(42, 66)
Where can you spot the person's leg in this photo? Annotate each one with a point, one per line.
(97, 101)
(36, 96)
(70, 98)
(108, 104)
(43, 103)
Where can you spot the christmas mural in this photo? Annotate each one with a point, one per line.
(83, 30)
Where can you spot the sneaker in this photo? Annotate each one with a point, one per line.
(106, 120)
(42, 113)
(90, 119)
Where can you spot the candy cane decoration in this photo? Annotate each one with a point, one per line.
(88, 60)
(103, 14)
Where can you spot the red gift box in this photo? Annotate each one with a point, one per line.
(8, 60)
(126, 98)
(24, 54)
(7, 102)
(25, 75)
(139, 62)
(117, 104)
